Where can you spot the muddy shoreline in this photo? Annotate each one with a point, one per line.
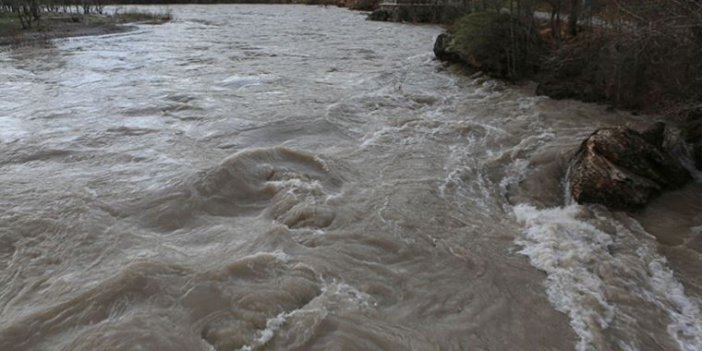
(38, 37)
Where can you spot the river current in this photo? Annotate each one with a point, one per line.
(297, 178)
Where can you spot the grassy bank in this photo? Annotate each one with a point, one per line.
(64, 25)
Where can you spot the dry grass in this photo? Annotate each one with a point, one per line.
(59, 25)
(139, 16)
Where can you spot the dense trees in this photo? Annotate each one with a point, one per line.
(636, 54)
(28, 11)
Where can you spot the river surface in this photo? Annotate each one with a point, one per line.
(297, 178)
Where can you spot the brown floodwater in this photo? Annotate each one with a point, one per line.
(297, 178)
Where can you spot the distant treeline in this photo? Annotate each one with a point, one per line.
(353, 4)
(364, 5)
(636, 54)
(168, 2)
(30, 12)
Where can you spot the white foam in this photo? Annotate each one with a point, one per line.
(278, 255)
(669, 294)
(375, 137)
(348, 294)
(244, 81)
(334, 293)
(569, 250)
(266, 335)
(559, 244)
(687, 160)
(627, 347)
(515, 173)
(294, 185)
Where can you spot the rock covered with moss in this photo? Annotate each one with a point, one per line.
(443, 50)
(495, 43)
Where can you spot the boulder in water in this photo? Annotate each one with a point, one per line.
(443, 50)
(621, 169)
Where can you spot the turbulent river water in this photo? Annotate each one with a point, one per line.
(297, 178)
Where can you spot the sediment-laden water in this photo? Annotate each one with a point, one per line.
(296, 178)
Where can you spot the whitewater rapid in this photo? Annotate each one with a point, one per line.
(253, 177)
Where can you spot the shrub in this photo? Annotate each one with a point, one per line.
(640, 69)
(498, 44)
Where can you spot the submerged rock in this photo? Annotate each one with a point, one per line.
(621, 169)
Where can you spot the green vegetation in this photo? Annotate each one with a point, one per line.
(635, 54)
(632, 54)
(9, 23)
(499, 44)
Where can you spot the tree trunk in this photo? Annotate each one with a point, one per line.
(573, 17)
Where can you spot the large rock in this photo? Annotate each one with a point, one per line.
(443, 50)
(497, 44)
(619, 168)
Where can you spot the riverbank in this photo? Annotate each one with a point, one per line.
(66, 25)
(623, 64)
(294, 176)
(341, 3)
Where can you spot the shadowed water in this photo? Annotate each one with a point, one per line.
(296, 178)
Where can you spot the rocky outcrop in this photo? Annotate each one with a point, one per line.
(624, 169)
(443, 50)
